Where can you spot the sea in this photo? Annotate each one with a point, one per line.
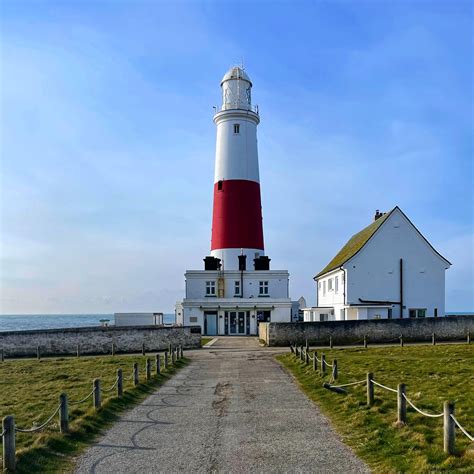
(24, 322)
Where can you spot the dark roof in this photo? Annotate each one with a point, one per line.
(358, 241)
(355, 243)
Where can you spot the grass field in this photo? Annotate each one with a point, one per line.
(432, 374)
(29, 390)
(205, 340)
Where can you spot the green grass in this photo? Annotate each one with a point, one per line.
(432, 374)
(30, 389)
(205, 340)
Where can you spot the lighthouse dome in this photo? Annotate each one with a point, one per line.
(236, 72)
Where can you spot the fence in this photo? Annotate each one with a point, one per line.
(449, 420)
(9, 428)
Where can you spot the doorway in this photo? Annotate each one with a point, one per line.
(210, 323)
(238, 322)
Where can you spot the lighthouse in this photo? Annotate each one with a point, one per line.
(237, 227)
(236, 290)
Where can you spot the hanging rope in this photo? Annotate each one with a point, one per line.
(40, 427)
(461, 428)
(420, 411)
(83, 400)
(383, 386)
(111, 388)
(349, 384)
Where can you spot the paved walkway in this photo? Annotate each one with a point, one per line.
(233, 409)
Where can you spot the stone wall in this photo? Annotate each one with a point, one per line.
(97, 340)
(450, 328)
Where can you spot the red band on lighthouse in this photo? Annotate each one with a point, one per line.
(237, 215)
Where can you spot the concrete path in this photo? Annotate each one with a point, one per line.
(233, 409)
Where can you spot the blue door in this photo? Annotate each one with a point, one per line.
(211, 324)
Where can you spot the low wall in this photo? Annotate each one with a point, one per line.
(97, 340)
(449, 328)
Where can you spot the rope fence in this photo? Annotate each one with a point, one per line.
(449, 420)
(9, 427)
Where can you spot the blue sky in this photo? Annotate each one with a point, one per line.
(107, 139)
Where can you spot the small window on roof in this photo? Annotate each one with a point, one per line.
(236, 128)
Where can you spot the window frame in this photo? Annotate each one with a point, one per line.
(237, 288)
(210, 288)
(263, 289)
(236, 128)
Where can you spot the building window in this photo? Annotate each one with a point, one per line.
(389, 313)
(263, 288)
(193, 319)
(236, 128)
(237, 288)
(210, 288)
(324, 288)
(324, 317)
(219, 185)
(336, 284)
(417, 313)
(330, 284)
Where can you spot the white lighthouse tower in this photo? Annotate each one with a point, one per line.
(236, 290)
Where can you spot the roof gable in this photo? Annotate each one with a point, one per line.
(359, 240)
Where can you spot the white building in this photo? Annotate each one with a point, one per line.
(387, 270)
(236, 290)
(138, 319)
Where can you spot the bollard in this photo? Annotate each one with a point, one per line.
(315, 361)
(334, 369)
(468, 337)
(173, 357)
(38, 353)
(370, 389)
(143, 349)
(181, 351)
(401, 340)
(330, 342)
(135, 374)
(158, 364)
(166, 360)
(296, 351)
(148, 369)
(365, 342)
(63, 414)
(401, 404)
(119, 383)
(307, 345)
(291, 349)
(177, 353)
(9, 446)
(449, 431)
(433, 339)
(301, 353)
(113, 349)
(170, 348)
(323, 365)
(306, 356)
(2, 356)
(78, 351)
(96, 397)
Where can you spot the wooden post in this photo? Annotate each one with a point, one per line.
(181, 351)
(468, 337)
(323, 364)
(78, 350)
(63, 414)
(330, 342)
(143, 349)
(9, 447)
(158, 364)
(365, 342)
(96, 396)
(148, 368)
(334, 369)
(401, 404)
(2, 356)
(306, 356)
(296, 350)
(315, 361)
(401, 340)
(113, 349)
(433, 339)
(449, 431)
(307, 345)
(170, 348)
(166, 360)
(119, 383)
(38, 353)
(291, 349)
(135, 374)
(370, 389)
(173, 357)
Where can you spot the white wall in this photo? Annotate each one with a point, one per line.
(331, 297)
(373, 273)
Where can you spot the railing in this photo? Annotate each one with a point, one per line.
(9, 428)
(449, 420)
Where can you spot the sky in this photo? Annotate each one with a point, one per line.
(108, 144)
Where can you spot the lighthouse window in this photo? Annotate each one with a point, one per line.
(219, 185)
(210, 288)
(236, 128)
(263, 288)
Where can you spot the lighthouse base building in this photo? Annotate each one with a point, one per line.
(233, 302)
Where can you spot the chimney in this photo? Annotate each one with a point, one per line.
(378, 214)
